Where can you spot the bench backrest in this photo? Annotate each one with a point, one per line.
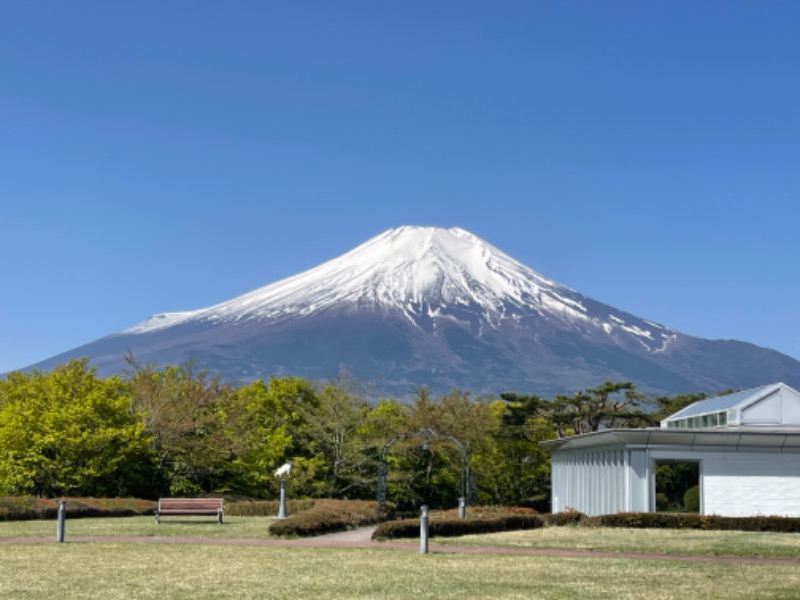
(190, 504)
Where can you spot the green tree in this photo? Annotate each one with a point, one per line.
(666, 405)
(268, 424)
(672, 480)
(69, 432)
(522, 473)
(453, 426)
(338, 430)
(181, 408)
(610, 405)
(385, 420)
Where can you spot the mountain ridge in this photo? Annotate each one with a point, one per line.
(412, 270)
(442, 308)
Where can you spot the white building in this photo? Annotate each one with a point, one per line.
(747, 445)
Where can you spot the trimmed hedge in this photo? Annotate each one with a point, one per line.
(455, 527)
(265, 508)
(328, 516)
(483, 512)
(315, 517)
(26, 508)
(695, 521)
(310, 522)
(450, 527)
(562, 519)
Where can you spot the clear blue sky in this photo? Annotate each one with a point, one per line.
(165, 156)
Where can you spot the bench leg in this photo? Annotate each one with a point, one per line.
(158, 519)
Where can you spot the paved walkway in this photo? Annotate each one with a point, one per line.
(362, 538)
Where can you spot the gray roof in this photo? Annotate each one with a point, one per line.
(732, 439)
(726, 402)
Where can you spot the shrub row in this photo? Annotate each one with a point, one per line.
(327, 516)
(562, 519)
(264, 508)
(695, 521)
(25, 508)
(483, 512)
(315, 517)
(482, 523)
(451, 527)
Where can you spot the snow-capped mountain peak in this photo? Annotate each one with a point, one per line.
(424, 273)
(406, 268)
(435, 307)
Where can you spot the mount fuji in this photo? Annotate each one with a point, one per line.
(440, 308)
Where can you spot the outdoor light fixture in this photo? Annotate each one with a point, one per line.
(466, 495)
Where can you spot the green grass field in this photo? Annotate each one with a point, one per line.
(195, 570)
(666, 541)
(233, 527)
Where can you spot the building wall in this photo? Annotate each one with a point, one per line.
(622, 480)
(743, 484)
(599, 482)
(781, 408)
(739, 484)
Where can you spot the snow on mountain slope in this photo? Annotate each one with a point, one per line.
(421, 306)
(425, 272)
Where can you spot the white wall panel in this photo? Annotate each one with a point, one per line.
(791, 407)
(768, 411)
(639, 481)
(745, 484)
(592, 482)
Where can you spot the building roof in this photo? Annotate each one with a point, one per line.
(727, 402)
(731, 439)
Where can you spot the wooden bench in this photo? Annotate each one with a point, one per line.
(189, 506)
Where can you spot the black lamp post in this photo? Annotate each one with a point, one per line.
(426, 434)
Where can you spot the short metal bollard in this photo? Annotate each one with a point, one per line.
(423, 529)
(462, 508)
(60, 520)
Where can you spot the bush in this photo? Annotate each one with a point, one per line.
(488, 512)
(25, 508)
(310, 522)
(451, 527)
(758, 523)
(648, 520)
(265, 508)
(696, 521)
(691, 499)
(569, 517)
(327, 516)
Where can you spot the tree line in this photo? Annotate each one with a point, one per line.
(181, 431)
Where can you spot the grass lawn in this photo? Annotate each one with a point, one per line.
(110, 571)
(668, 541)
(233, 527)
(157, 570)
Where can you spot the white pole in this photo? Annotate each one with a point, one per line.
(60, 521)
(423, 530)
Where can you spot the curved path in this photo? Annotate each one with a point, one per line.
(362, 538)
